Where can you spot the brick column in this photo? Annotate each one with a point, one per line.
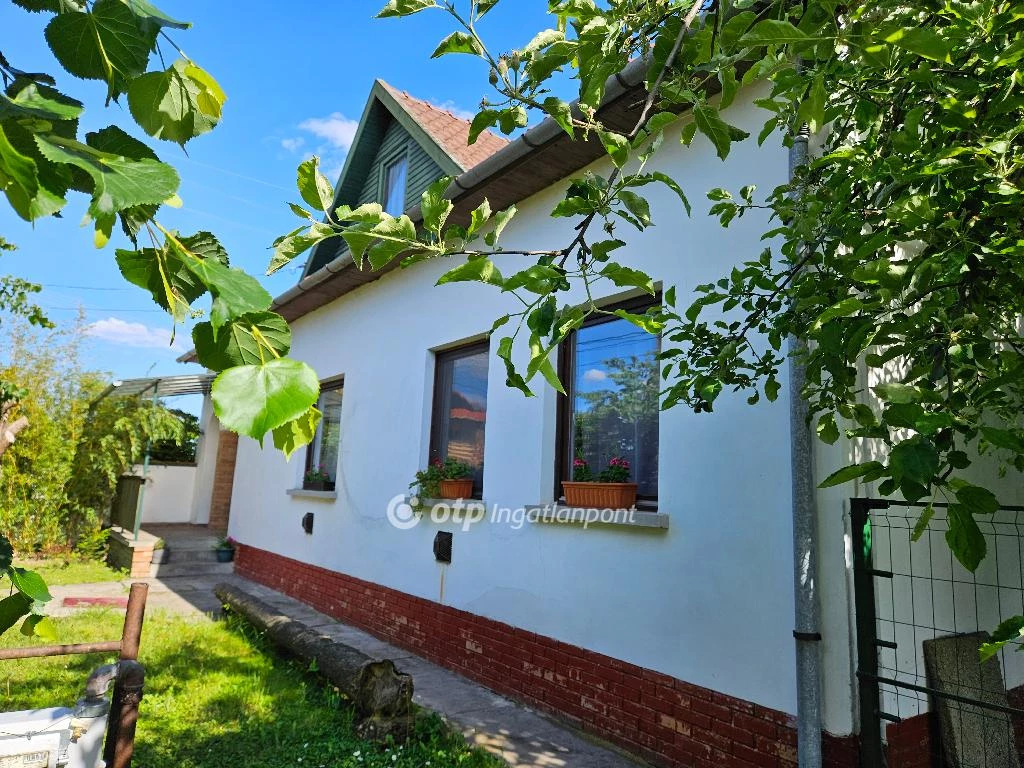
(223, 479)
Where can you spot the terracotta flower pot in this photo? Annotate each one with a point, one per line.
(599, 495)
(456, 489)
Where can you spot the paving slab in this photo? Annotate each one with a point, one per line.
(519, 735)
(365, 642)
(190, 596)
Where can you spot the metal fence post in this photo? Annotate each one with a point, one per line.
(124, 704)
(131, 678)
(871, 749)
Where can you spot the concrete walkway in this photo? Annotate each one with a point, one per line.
(521, 736)
(189, 596)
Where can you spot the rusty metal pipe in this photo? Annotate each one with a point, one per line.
(136, 612)
(111, 646)
(124, 714)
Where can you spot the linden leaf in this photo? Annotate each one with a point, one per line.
(255, 399)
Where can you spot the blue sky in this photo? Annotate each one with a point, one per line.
(297, 80)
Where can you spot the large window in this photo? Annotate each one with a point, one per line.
(395, 174)
(322, 454)
(610, 370)
(460, 408)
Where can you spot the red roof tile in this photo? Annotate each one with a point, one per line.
(450, 132)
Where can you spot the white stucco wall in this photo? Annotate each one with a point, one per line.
(708, 601)
(930, 605)
(206, 463)
(168, 494)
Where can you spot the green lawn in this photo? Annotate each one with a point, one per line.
(70, 570)
(216, 697)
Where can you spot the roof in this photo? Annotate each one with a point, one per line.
(161, 386)
(448, 131)
(542, 156)
(537, 159)
(439, 133)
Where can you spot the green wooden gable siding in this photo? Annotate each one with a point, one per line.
(422, 172)
(422, 169)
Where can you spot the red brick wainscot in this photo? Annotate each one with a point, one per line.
(915, 742)
(667, 721)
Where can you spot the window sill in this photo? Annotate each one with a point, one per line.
(423, 506)
(303, 493)
(560, 514)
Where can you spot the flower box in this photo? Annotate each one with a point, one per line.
(461, 488)
(444, 479)
(599, 495)
(318, 485)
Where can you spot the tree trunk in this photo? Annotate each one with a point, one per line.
(9, 431)
(375, 687)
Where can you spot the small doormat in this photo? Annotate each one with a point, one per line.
(90, 602)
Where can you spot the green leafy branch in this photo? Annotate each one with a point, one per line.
(893, 254)
(42, 159)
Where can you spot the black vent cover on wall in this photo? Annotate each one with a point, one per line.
(443, 547)
(307, 522)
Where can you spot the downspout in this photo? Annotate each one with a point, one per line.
(140, 501)
(806, 630)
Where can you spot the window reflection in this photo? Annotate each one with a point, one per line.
(460, 408)
(328, 441)
(394, 187)
(615, 400)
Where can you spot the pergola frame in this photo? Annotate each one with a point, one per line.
(159, 386)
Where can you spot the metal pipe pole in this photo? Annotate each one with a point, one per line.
(145, 472)
(128, 686)
(806, 629)
(131, 678)
(39, 651)
(131, 635)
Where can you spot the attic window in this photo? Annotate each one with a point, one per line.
(395, 174)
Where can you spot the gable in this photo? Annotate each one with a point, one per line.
(393, 123)
(362, 180)
(423, 171)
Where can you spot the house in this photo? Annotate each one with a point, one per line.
(669, 631)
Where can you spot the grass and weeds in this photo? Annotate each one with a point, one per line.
(70, 569)
(217, 696)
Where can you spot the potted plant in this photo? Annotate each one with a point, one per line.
(225, 549)
(161, 552)
(609, 489)
(317, 479)
(447, 479)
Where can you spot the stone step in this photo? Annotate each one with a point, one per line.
(207, 555)
(173, 568)
(191, 545)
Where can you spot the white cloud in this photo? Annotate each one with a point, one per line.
(455, 109)
(595, 374)
(331, 140)
(336, 129)
(132, 334)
